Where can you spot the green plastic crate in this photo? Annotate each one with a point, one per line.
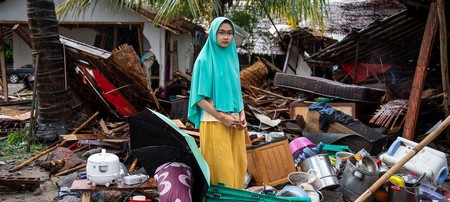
(222, 193)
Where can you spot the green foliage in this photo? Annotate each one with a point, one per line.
(293, 11)
(244, 19)
(16, 145)
(7, 44)
(16, 137)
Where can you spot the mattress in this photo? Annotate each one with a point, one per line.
(328, 88)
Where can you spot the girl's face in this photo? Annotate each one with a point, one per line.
(225, 34)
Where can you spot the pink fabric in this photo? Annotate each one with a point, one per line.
(174, 182)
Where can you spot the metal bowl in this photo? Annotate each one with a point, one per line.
(299, 178)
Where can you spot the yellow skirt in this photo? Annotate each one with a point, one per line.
(224, 150)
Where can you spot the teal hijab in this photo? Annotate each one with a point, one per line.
(216, 76)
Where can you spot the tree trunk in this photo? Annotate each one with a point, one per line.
(54, 99)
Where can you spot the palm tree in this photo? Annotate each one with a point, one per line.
(54, 98)
(293, 11)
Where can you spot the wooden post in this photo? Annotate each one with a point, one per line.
(133, 165)
(71, 170)
(444, 59)
(421, 72)
(33, 103)
(355, 69)
(3, 64)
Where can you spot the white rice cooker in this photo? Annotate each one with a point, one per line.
(103, 168)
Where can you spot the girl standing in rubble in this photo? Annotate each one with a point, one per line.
(217, 108)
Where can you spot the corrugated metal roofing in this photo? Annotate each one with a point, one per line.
(395, 39)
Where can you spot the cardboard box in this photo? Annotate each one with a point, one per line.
(357, 135)
(270, 163)
(302, 108)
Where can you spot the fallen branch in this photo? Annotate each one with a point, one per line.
(70, 170)
(273, 94)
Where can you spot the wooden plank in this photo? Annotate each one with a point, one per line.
(85, 48)
(192, 133)
(3, 67)
(72, 137)
(23, 34)
(103, 126)
(178, 123)
(444, 58)
(312, 120)
(86, 186)
(302, 108)
(86, 197)
(71, 170)
(421, 72)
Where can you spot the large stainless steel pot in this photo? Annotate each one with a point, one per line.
(358, 177)
(321, 164)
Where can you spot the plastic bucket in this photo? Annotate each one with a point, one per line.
(298, 144)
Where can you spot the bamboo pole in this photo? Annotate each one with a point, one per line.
(133, 165)
(70, 170)
(33, 100)
(80, 148)
(403, 160)
(54, 147)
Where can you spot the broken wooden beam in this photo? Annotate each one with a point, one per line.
(13, 184)
(421, 72)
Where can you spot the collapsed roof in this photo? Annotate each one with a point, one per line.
(395, 40)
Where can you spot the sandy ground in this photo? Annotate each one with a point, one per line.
(47, 190)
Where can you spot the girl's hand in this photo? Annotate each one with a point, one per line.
(242, 121)
(229, 120)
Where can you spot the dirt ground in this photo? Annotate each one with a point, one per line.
(47, 190)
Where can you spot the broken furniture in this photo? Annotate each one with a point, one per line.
(357, 134)
(270, 163)
(302, 108)
(13, 184)
(85, 187)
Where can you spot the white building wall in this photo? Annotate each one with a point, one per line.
(15, 11)
(22, 53)
(84, 35)
(185, 51)
(157, 40)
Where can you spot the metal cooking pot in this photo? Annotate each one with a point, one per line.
(358, 177)
(324, 170)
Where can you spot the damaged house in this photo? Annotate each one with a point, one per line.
(173, 43)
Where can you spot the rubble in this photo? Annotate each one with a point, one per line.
(280, 107)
